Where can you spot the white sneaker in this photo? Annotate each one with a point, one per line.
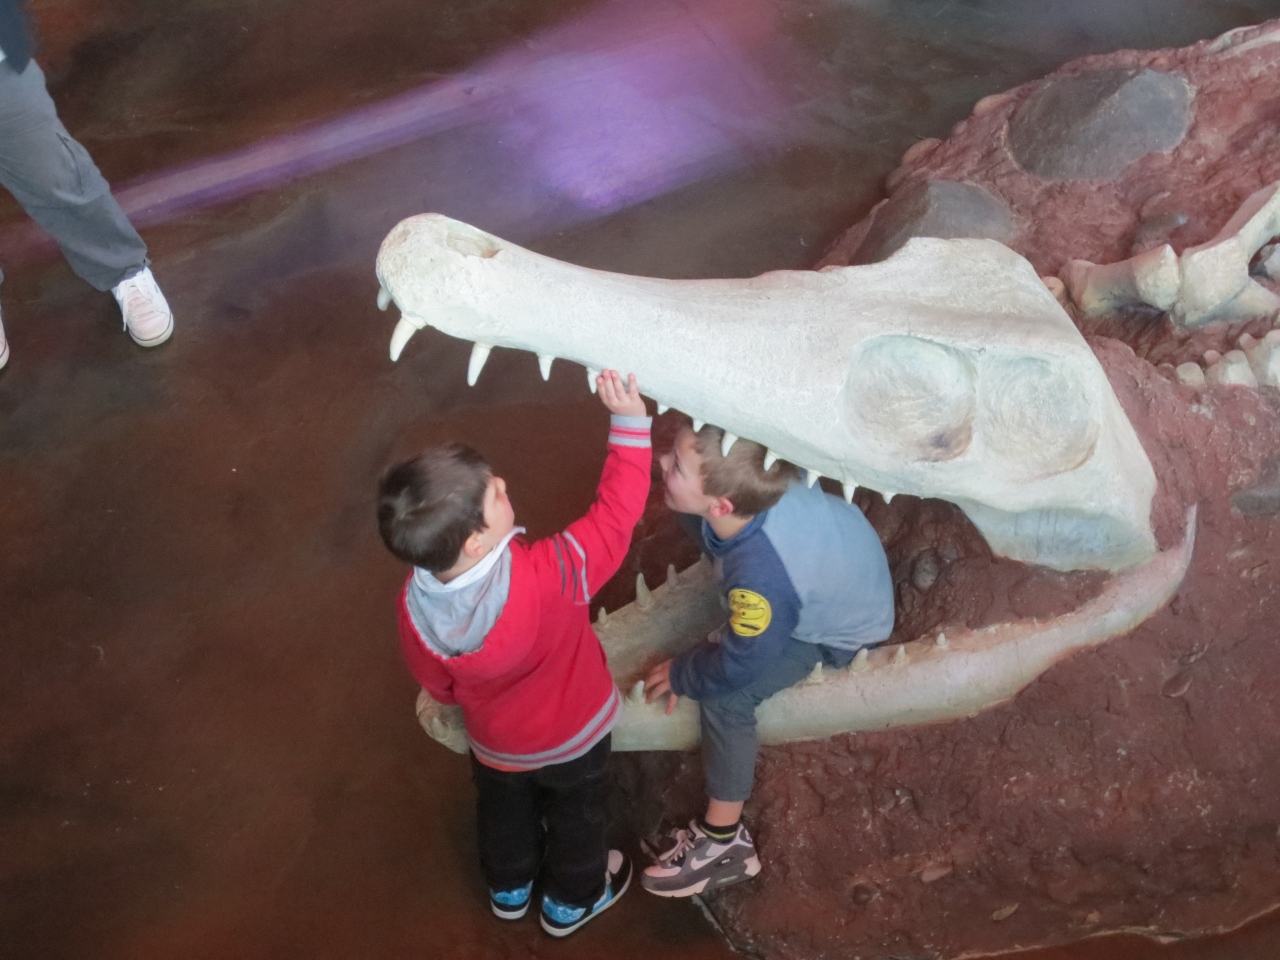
(146, 313)
(4, 348)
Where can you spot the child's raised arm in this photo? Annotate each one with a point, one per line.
(591, 549)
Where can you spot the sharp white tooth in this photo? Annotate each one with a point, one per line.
(544, 365)
(591, 378)
(636, 696)
(815, 675)
(900, 655)
(812, 477)
(479, 354)
(770, 458)
(849, 490)
(384, 298)
(727, 442)
(942, 640)
(698, 425)
(859, 661)
(888, 495)
(673, 578)
(602, 618)
(644, 599)
(405, 329)
(662, 408)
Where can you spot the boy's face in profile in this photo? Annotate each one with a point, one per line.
(682, 476)
(499, 516)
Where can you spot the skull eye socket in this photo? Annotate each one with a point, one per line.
(1035, 418)
(913, 399)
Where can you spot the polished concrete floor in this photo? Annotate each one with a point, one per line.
(207, 743)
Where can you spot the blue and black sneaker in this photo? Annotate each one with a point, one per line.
(511, 904)
(561, 919)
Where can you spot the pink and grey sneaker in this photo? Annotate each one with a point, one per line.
(695, 863)
(146, 313)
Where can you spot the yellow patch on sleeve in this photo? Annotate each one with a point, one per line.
(749, 613)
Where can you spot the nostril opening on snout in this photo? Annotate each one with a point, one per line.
(473, 244)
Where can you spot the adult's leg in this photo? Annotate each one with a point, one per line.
(507, 825)
(729, 741)
(57, 183)
(573, 799)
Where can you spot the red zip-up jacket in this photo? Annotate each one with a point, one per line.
(538, 690)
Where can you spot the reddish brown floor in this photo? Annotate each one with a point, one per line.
(208, 747)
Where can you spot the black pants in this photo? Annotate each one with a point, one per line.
(569, 798)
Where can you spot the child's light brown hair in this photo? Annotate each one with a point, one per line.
(741, 477)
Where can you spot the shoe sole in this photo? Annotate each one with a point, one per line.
(514, 913)
(154, 341)
(565, 931)
(753, 868)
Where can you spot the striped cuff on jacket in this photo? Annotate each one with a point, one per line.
(629, 431)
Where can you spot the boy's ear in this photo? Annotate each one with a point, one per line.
(473, 546)
(721, 507)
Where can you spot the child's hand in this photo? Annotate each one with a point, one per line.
(621, 398)
(659, 684)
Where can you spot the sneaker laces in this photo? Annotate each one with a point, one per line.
(684, 843)
(138, 299)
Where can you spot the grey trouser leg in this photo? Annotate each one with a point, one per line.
(729, 744)
(57, 183)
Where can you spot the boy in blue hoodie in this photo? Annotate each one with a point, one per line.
(806, 581)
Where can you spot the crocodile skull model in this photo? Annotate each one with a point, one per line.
(949, 371)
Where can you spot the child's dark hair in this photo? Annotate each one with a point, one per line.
(430, 504)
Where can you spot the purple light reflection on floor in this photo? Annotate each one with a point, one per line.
(618, 106)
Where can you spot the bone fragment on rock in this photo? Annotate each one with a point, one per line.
(1190, 374)
(1233, 369)
(1152, 278)
(940, 372)
(1264, 359)
(1269, 262)
(924, 681)
(1207, 282)
(1215, 275)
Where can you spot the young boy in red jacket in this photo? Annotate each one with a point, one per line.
(501, 628)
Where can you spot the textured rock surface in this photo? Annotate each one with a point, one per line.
(1130, 788)
(935, 208)
(1092, 124)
